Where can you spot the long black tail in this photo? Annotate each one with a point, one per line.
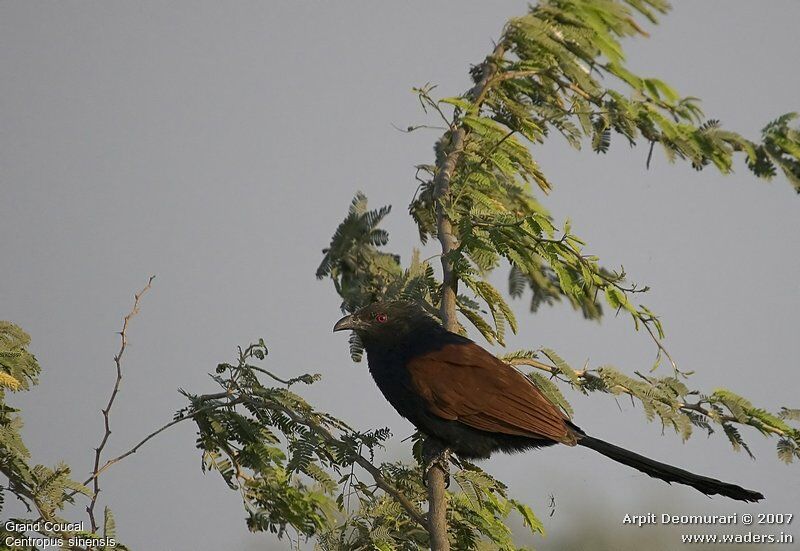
(668, 473)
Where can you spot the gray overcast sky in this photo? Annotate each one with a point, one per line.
(217, 145)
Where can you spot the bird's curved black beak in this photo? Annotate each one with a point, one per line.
(347, 322)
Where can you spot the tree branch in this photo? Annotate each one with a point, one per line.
(437, 472)
(697, 407)
(155, 433)
(98, 451)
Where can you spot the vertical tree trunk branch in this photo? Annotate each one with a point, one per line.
(438, 469)
(436, 461)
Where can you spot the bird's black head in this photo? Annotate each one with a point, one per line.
(382, 321)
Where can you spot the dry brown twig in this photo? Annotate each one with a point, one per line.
(98, 469)
(98, 451)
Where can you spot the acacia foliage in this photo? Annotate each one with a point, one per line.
(560, 70)
(303, 473)
(44, 491)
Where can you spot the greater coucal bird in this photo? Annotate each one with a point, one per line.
(453, 390)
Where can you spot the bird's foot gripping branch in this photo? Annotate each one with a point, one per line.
(435, 455)
(303, 473)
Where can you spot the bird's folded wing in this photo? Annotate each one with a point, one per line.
(466, 383)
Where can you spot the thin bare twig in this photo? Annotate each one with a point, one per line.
(650, 154)
(663, 349)
(414, 127)
(156, 432)
(98, 451)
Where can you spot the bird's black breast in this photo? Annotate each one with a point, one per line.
(387, 365)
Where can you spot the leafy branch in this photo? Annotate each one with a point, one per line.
(559, 69)
(668, 399)
(43, 490)
(295, 467)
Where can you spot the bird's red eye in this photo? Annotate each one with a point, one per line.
(381, 318)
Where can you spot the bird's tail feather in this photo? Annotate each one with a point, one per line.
(668, 473)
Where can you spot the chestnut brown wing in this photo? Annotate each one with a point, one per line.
(465, 383)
